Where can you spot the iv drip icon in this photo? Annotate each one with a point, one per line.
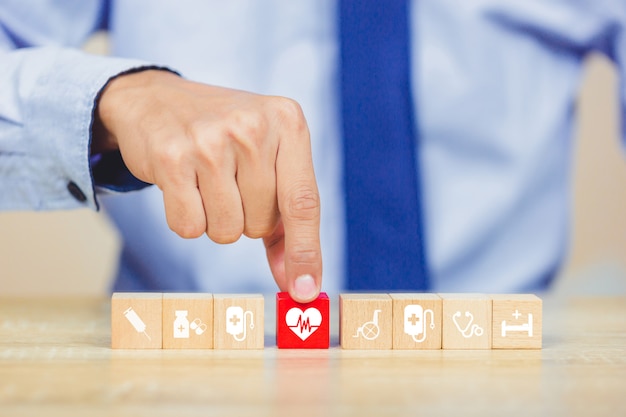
(415, 321)
(237, 322)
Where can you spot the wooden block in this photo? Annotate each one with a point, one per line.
(238, 321)
(466, 321)
(136, 320)
(302, 326)
(517, 321)
(365, 321)
(416, 321)
(188, 321)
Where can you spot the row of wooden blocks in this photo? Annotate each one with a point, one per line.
(366, 321)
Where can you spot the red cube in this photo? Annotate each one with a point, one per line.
(302, 326)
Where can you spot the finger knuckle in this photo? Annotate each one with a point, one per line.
(305, 255)
(188, 229)
(256, 233)
(198, 129)
(210, 143)
(303, 204)
(248, 130)
(289, 113)
(248, 124)
(171, 155)
(259, 229)
(225, 235)
(213, 152)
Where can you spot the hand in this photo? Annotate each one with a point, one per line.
(228, 162)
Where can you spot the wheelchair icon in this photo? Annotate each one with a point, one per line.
(369, 330)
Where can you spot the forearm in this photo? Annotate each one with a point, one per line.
(47, 103)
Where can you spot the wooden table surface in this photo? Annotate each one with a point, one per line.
(55, 359)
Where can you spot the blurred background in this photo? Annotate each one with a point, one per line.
(75, 253)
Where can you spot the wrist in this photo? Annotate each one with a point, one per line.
(115, 97)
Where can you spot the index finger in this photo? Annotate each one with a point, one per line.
(299, 206)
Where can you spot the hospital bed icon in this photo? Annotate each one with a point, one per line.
(526, 327)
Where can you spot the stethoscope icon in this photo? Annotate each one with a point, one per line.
(471, 329)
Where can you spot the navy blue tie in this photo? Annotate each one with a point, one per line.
(383, 207)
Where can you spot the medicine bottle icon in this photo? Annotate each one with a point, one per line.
(181, 325)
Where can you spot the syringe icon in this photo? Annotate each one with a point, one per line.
(136, 321)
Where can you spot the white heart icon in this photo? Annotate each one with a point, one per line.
(303, 323)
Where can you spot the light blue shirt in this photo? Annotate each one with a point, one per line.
(494, 88)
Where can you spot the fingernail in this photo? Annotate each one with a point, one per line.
(305, 288)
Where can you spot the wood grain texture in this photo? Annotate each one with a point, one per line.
(238, 321)
(56, 360)
(416, 321)
(466, 321)
(365, 321)
(517, 321)
(136, 321)
(194, 329)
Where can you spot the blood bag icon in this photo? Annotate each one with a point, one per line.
(237, 322)
(415, 321)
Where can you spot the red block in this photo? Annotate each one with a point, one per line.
(302, 326)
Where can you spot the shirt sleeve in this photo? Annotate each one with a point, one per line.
(573, 28)
(607, 19)
(617, 52)
(47, 99)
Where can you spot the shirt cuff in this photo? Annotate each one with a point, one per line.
(60, 109)
(110, 174)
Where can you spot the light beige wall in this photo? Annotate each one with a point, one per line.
(59, 253)
(600, 195)
(597, 257)
(71, 252)
(75, 252)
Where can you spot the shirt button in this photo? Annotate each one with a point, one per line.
(76, 192)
